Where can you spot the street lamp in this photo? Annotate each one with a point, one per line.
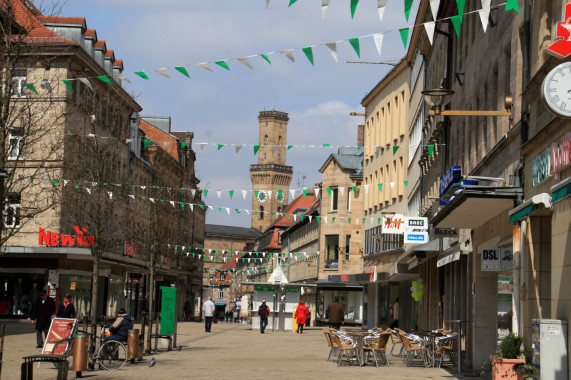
(437, 98)
(357, 114)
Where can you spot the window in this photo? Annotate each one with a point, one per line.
(19, 85)
(12, 211)
(16, 143)
(415, 135)
(349, 201)
(334, 198)
(221, 293)
(332, 252)
(280, 140)
(266, 140)
(348, 243)
(261, 212)
(222, 276)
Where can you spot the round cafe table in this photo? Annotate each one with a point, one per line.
(429, 336)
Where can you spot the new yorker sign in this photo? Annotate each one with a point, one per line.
(53, 239)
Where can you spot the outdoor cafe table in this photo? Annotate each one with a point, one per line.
(359, 336)
(431, 348)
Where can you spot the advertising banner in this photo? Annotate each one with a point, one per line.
(60, 328)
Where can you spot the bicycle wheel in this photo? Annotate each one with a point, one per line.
(112, 355)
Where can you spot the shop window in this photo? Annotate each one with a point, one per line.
(12, 211)
(16, 143)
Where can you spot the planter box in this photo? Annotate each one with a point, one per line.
(502, 369)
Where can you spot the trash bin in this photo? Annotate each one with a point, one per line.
(133, 344)
(79, 353)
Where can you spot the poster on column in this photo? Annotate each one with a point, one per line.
(490, 259)
(506, 259)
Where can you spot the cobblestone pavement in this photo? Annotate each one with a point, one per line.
(230, 351)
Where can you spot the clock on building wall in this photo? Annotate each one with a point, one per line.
(280, 196)
(556, 90)
(262, 196)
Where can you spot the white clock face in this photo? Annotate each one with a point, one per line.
(280, 197)
(556, 90)
(262, 196)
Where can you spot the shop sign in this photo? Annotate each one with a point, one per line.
(506, 259)
(453, 175)
(540, 167)
(419, 223)
(344, 278)
(72, 286)
(562, 47)
(393, 224)
(490, 259)
(443, 232)
(560, 155)
(373, 274)
(52, 239)
(264, 288)
(130, 249)
(158, 278)
(415, 237)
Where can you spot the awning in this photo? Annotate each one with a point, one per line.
(450, 255)
(561, 190)
(536, 203)
(475, 205)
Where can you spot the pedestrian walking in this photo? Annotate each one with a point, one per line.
(301, 316)
(208, 310)
(395, 313)
(187, 309)
(335, 314)
(66, 308)
(41, 314)
(264, 313)
(235, 316)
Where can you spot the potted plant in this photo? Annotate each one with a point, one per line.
(526, 370)
(509, 355)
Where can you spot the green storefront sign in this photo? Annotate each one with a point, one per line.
(168, 310)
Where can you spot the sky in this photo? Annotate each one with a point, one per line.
(221, 107)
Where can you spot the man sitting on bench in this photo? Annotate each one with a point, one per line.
(120, 328)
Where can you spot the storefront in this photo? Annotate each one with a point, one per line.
(350, 296)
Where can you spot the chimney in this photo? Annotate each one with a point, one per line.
(360, 135)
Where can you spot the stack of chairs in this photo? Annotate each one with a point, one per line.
(346, 347)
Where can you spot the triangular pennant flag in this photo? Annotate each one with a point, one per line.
(204, 66)
(404, 36)
(31, 87)
(308, 53)
(267, 3)
(238, 147)
(392, 184)
(220, 146)
(152, 200)
(289, 147)
(333, 220)
(324, 6)
(55, 181)
(265, 57)
(353, 7)
(366, 189)
(288, 54)
(237, 211)
(86, 82)
(407, 6)
(181, 205)
(246, 62)
(123, 77)
(274, 149)
(378, 38)
(205, 191)
(291, 2)
(304, 191)
(329, 191)
(355, 43)
(202, 145)
(182, 70)
(395, 148)
(310, 218)
(192, 192)
(461, 5)
(292, 192)
(430, 150)
(68, 84)
(270, 194)
(485, 13)
(163, 72)
(231, 192)
(110, 195)
(183, 145)
(325, 219)
(457, 23)
(341, 190)
(219, 193)
(434, 5)
(316, 190)
(405, 183)
(172, 203)
(256, 148)
(244, 192)
(364, 221)
(348, 220)
(429, 27)
(354, 190)
(332, 46)
(381, 8)
(88, 190)
(142, 75)
(146, 143)
(228, 210)
(256, 192)
(222, 64)
(380, 187)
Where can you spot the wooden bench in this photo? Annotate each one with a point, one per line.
(60, 361)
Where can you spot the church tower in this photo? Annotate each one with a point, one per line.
(270, 176)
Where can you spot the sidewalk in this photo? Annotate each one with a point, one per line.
(231, 350)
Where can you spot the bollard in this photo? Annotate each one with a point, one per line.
(79, 354)
(133, 345)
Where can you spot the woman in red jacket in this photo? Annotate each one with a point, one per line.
(301, 316)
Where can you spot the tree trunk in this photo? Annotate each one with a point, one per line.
(94, 292)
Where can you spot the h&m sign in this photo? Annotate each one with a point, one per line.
(53, 239)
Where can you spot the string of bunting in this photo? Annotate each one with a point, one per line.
(308, 50)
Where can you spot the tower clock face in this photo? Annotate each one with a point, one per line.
(556, 90)
(262, 196)
(280, 197)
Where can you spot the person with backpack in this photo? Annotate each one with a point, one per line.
(264, 313)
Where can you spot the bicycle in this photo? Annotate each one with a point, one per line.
(111, 355)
